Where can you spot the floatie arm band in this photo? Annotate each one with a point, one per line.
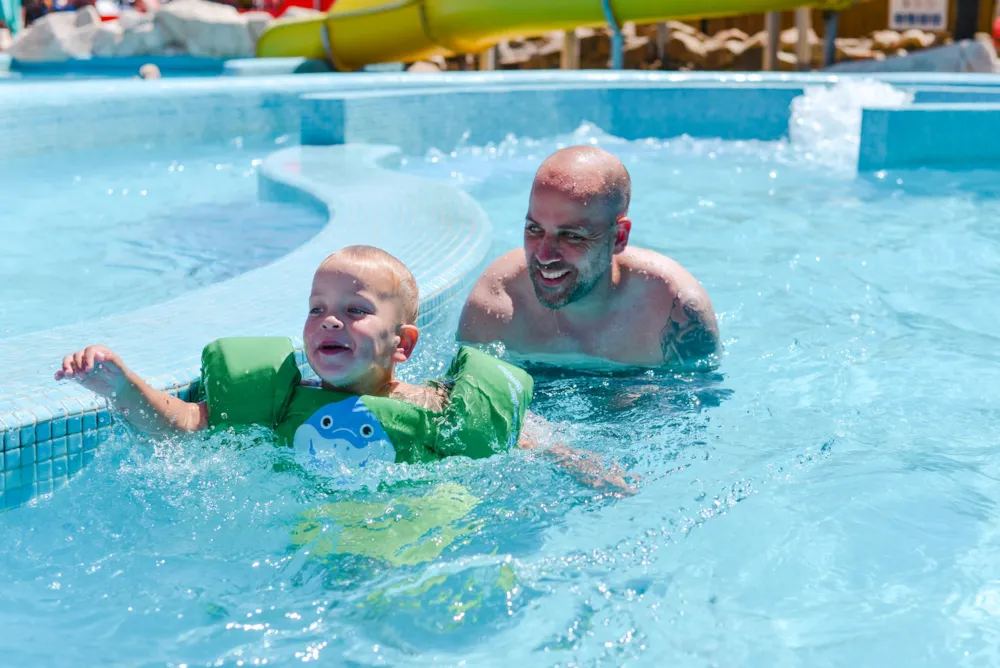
(487, 405)
(248, 380)
(254, 380)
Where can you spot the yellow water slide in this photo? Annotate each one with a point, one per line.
(356, 33)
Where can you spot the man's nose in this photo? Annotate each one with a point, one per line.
(548, 251)
(331, 322)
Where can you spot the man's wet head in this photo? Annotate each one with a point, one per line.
(577, 221)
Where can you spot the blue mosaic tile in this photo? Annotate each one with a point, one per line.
(43, 487)
(59, 447)
(43, 431)
(75, 463)
(13, 498)
(12, 459)
(74, 443)
(43, 470)
(27, 455)
(103, 418)
(88, 456)
(43, 451)
(43, 413)
(89, 401)
(89, 422)
(89, 440)
(27, 434)
(27, 474)
(59, 427)
(73, 424)
(12, 479)
(20, 418)
(60, 467)
(58, 408)
(12, 439)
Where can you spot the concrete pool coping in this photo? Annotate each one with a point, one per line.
(386, 112)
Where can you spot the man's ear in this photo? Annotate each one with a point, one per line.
(408, 337)
(623, 228)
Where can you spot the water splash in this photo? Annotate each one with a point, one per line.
(824, 130)
(825, 124)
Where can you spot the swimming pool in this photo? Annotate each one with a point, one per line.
(827, 497)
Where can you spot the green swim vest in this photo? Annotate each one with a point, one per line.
(255, 380)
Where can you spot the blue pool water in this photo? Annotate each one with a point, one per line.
(829, 497)
(93, 235)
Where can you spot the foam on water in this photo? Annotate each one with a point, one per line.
(825, 123)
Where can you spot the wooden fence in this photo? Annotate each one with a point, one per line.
(855, 21)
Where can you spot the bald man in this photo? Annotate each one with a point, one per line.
(578, 289)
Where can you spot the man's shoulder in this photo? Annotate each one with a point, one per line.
(688, 330)
(506, 276)
(494, 298)
(656, 275)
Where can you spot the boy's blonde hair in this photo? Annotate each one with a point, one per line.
(404, 286)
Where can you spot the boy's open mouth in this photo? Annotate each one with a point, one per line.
(332, 348)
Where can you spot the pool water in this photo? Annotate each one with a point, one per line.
(91, 235)
(828, 497)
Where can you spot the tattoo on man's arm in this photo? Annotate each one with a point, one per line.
(689, 339)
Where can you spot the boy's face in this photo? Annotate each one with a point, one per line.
(352, 334)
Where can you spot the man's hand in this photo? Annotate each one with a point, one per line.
(586, 467)
(97, 368)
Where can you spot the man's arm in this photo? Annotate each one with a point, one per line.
(477, 323)
(488, 309)
(585, 466)
(690, 338)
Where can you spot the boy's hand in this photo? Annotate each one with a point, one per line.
(152, 411)
(97, 368)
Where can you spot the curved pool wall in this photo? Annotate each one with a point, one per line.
(351, 127)
(99, 67)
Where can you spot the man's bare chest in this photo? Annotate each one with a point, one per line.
(615, 339)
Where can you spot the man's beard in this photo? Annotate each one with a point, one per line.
(576, 285)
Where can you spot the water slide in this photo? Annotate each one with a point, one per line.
(356, 33)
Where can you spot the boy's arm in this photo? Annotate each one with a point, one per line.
(585, 466)
(101, 371)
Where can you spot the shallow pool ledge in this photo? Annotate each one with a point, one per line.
(963, 135)
(50, 430)
(417, 120)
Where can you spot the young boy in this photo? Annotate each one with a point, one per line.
(361, 324)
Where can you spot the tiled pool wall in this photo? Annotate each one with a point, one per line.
(946, 126)
(418, 120)
(50, 431)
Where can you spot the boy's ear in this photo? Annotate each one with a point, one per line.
(408, 336)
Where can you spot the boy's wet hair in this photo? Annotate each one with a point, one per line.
(404, 286)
